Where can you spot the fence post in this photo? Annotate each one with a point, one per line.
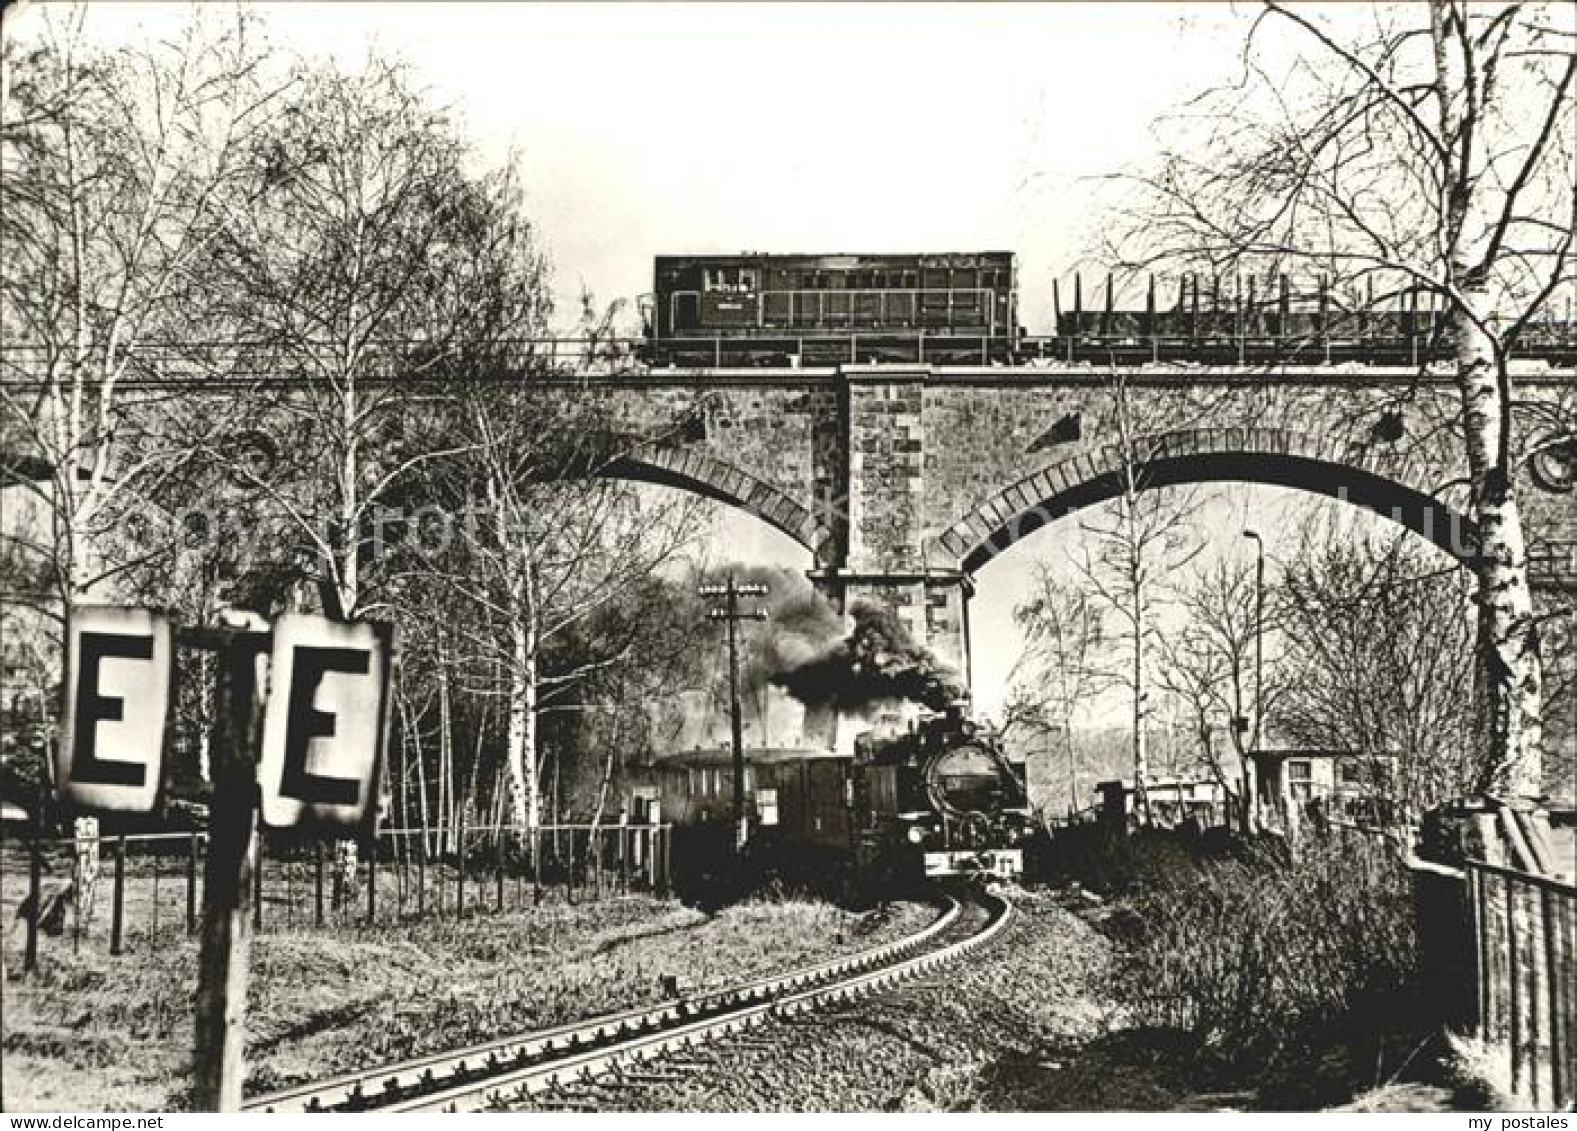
(1552, 989)
(1513, 980)
(1481, 940)
(317, 894)
(569, 881)
(157, 876)
(191, 885)
(118, 897)
(421, 874)
(536, 866)
(459, 885)
(498, 867)
(372, 882)
(35, 899)
(257, 885)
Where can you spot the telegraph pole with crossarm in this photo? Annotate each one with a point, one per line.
(731, 591)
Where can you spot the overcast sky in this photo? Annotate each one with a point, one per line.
(647, 129)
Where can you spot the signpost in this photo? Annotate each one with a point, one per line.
(119, 671)
(298, 738)
(324, 728)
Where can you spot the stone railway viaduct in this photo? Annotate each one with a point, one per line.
(901, 481)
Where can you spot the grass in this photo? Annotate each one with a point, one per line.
(88, 1032)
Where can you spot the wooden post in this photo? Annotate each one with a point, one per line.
(1149, 318)
(35, 893)
(459, 886)
(219, 1068)
(1322, 325)
(118, 898)
(1514, 984)
(1412, 325)
(155, 858)
(421, 873)
(257, 886)
(536, 866)
(317, 895)
(498, 864)
(1549, 924)
(191, 885)
(372, 881)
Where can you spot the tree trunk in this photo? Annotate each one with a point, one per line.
(524, 783)
(1510, 731)
(1141, 751)
(446, 814)
(347, 591)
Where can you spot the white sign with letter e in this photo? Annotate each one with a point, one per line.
(119, 668)
(323, 729)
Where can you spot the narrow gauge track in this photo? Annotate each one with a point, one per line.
(615, 1046)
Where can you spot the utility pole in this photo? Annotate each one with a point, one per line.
(731, 591)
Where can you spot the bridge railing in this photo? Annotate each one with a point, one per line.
(1525, 948)
(1124, 339)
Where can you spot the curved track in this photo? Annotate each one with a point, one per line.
(615, 1046)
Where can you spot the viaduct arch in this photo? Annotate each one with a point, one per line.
(903, 480)
(1395, 488)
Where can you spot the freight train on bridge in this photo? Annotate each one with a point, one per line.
(962, 308)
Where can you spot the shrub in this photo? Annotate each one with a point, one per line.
(1248, 954)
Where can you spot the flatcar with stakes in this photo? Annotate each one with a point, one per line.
(786, 310)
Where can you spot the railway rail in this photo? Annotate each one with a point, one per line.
(630, 1047)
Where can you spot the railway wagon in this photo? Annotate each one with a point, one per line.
(937, 799)
(757, 309)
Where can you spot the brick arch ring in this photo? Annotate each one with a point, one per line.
(1371, 476)
(712, 478)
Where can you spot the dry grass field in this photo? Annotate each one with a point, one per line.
(88, 1032)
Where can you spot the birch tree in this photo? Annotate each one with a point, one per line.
(549, 544)
(1208, 666)
(1064, 662)
(121, 169)
(1424, 149)
(1379, 638)
(376, 260)
(1132, 545)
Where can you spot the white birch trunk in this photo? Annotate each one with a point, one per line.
(1510, 734)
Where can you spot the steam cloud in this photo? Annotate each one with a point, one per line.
(876, 662)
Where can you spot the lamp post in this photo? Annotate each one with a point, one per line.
(1259, 661)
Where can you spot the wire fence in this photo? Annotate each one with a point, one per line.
(149, 885)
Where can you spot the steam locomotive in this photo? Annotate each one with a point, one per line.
(939, 798)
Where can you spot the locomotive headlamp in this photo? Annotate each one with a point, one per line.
(916, 834)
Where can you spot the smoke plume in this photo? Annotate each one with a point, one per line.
(876, 662)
